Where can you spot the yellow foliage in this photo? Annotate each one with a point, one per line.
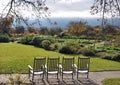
(97, 30)
(77, 28)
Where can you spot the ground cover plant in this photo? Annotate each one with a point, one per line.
(15, 57)
(111, 81)
(108, 52)
(73, 45)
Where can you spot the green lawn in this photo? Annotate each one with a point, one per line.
(111, 81)
(15, 58)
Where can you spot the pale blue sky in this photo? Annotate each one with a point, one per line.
(65, 8)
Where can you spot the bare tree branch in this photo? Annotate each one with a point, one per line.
(118, 5)
(11, 5)
(107, 8)
(17, 8)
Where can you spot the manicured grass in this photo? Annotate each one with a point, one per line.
(111, 81)
(15, 58)
(98, 64)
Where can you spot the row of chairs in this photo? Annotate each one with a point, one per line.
(53, 66)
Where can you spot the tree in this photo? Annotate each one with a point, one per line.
(32, 30)
(55, 31)
(89, 32)
(20, 29)
(109, 29)
(44, 31)
(6, 25)
(39, 9)
(106, 7)
(76, 28)
(19, 8)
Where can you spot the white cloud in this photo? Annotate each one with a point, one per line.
(3, 4)
(70, 8)
(67, 1)
(64, 8)
(83, 14)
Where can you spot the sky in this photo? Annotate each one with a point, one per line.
(65, 8)
(70, 8)
(62, 9)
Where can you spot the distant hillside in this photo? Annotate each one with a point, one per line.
(64, 22)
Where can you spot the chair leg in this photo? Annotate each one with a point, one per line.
(57, 75)
(29, 74)
(62, 76)
(72, 75)
(77, 75)
(87, 75)
(43, 75)
(47, 75)
(33, 77)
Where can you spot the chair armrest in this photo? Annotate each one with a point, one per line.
(45, 66)
(75, 67)
(30, 67)
(60, 66)
(87, 66)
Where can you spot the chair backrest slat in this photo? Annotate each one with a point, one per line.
(52, 64)
(67, 64)
(39, 64)
(83, 63)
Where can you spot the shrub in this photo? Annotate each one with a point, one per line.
(27, 40)
(82, 45)
(61, 41)
(116, 57)
(4, 38)
(72, 43)
(52, 40)
(117, 49)
(12, 39)
(70, 37)
(100, 50)
(53, 47)
(82, 37)
(18, 80)
(87, 52)
(46, 44)
(37, 41)
(87, 42)
(101, 54)
(68, 49)
(112, 56)
(108, 56)
(101, 37)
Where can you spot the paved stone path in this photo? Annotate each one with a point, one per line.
(99, 76)
(95, 78)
